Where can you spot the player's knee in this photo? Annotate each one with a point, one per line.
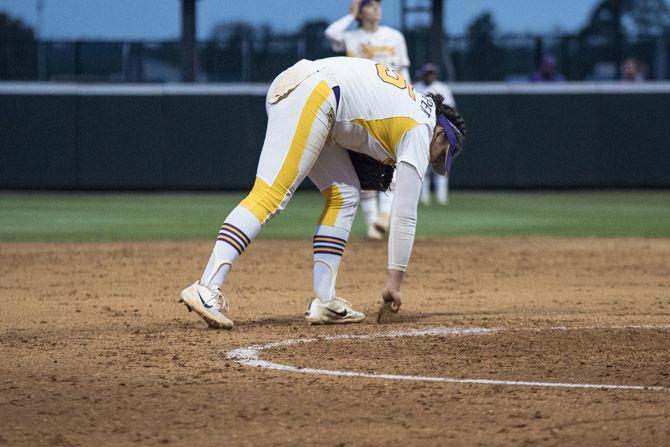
(266, 201)
(341, 201)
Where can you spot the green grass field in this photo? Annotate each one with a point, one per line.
(56, 217)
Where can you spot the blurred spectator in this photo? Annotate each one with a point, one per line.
(547, 72)
(429, 83)
(631, 71)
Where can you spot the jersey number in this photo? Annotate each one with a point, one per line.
(395, 79)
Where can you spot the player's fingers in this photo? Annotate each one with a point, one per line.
(385, 312)
(395, 300)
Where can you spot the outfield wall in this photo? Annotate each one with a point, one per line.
(68, 136)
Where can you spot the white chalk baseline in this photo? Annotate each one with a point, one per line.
(249, 356)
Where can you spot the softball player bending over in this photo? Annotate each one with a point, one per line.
(342, 122)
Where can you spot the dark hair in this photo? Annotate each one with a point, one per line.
(449, 112)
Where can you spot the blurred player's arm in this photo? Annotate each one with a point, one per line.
(335, 32)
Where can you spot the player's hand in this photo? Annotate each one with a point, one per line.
(392, 298)
(390, 305)
(355, 7)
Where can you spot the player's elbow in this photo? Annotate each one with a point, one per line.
(330, 34)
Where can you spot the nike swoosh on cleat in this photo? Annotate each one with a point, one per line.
(339, 314)
(203, 302)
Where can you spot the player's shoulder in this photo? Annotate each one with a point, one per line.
(391, 32)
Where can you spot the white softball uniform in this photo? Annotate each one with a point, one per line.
(316, 110)
(386, 45)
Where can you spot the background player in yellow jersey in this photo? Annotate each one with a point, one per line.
(381, 44)
(317, 112)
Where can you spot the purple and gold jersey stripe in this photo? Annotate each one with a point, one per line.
(239, 233)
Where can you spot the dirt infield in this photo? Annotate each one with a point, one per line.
(95, 349)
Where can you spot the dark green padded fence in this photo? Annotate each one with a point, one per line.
(518, 138)
(566, 140)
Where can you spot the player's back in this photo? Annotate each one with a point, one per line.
(372, 91)
(377, 106)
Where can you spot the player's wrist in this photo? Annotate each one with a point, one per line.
(394, 280)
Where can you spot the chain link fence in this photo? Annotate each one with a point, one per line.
(509, 57)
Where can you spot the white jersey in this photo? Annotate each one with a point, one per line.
(345, 103)
(439, 88)
(385, 45)
(379, 113)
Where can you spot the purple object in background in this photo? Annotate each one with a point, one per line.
(365, 2)
(546, 72)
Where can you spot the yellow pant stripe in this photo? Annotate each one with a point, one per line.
(264, 199)
(332, 207)
(388, 131)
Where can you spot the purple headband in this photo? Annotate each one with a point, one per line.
(363, 3)
(451, 132)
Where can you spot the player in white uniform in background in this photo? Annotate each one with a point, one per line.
(317, 110)
(429, 83)
(380, 44)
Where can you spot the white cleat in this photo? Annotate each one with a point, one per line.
(210, 304)
(383, 223)
(374, 234)
(336, 311)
